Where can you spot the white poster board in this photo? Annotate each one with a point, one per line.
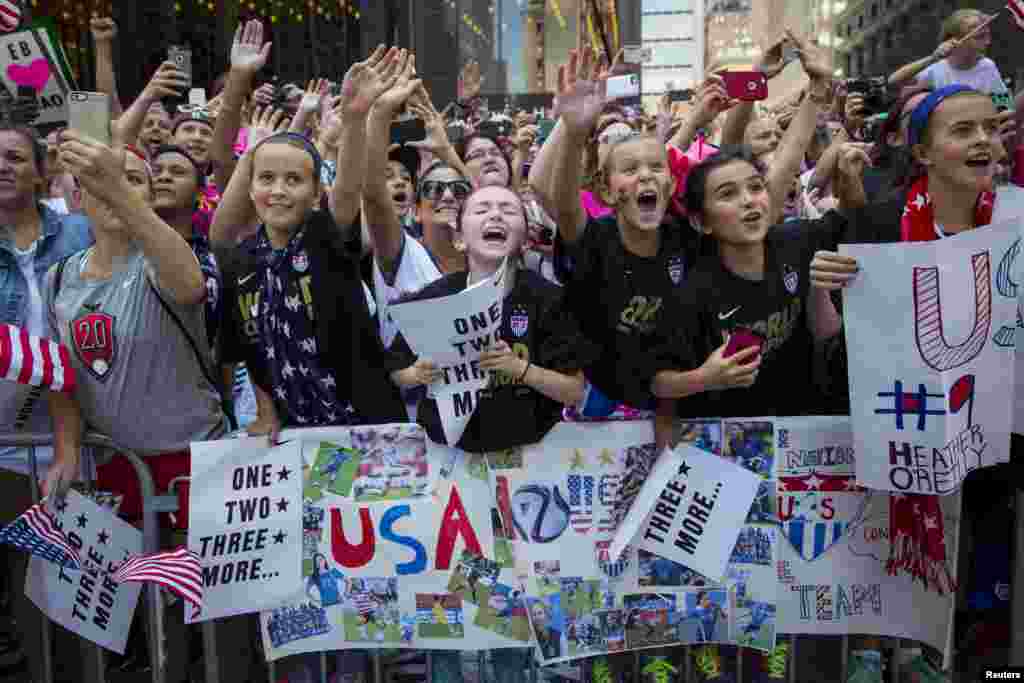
(86, 601)
(30, 58)
(931, 383)
(245, 523)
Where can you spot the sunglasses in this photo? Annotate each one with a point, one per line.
(433, 190)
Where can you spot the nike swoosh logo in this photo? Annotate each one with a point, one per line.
(726, 316)
(245, 279)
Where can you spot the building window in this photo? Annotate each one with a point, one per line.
(860, 21)
(874, 10)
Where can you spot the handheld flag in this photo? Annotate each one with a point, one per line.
(35, 532)
(35, 361)
(176, 570)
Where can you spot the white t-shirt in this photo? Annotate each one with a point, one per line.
(415, 271)
(983, 76)
(23, 409)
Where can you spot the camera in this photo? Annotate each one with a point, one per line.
(872, 90)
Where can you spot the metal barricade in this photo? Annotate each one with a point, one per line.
(152, 505)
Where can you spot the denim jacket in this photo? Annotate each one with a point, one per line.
(62, 235)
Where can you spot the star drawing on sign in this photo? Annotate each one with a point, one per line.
(82, 521)
(930, 523)
(287, 371)
(851, 483)
(282, 474)
(62, 505)
(328, 382)
(102, 537)
(282, 505)
(576, 461)
(270, 353)
(280, 393)
(279, 537)
(921, 201)
(303, 370)
(814, 482)
(684, 469)
(781, 484)
(606, 457)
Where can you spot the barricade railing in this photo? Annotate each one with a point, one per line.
(155, 503)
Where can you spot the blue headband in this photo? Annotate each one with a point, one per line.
(923, 112)
(304, 143)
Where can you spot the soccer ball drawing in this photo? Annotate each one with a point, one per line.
(539, 512)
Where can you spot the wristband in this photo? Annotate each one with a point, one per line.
(526, 370)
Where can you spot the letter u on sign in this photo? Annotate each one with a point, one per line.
(935, 351)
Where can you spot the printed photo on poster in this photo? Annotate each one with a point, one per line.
(754, 546)
(750, 445)
(660, 572)
(650, 619)
(439, 615)
(371, 612)
(706, 617)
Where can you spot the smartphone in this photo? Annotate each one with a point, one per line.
(681, 95)
(743, 338)
(456, 132)
(623, 87)
(748, 86)
(89, 112)
(407, 131)
(182, 58)
(197, 97)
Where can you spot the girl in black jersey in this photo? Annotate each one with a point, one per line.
(541, 353)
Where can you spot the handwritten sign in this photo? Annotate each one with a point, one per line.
(931, 373)
(34, 58)
(452, 332)
(245, 517)
(87, 602)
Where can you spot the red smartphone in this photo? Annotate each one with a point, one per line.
(743, 338)
(748, 86)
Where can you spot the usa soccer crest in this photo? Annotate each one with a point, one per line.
(675, 269)
(791, 279)
(300, 262)
(520, 322)
(818, 511)
(581, 502)
(92, 336)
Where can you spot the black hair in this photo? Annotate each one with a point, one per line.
(175, 149)
(697, 179)
(409, 158)
(462, 147)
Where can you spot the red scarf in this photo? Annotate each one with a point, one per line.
(917, 533)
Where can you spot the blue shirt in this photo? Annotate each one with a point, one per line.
(62, 235)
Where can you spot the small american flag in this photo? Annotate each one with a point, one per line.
(1016, 8)
(35, 532)
(36, 361)
(176, 570)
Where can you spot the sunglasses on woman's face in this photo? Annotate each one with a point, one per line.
(433, 190)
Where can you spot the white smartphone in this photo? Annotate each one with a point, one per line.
(622, 87)
(89, 113)
(197, 97)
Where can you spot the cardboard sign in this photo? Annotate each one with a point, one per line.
(87, 602)
(931, 375)
(35, 58)
(245, 522)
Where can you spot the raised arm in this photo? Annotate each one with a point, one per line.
(168, 81)
(581, 97)
(797, 138)
(436, 142)
(740, 116)
(542, 174)
(104, 31)
(385, 80)
(101, 172)
(309, 105)
(908, 72)
(711, 100)
(248, 55)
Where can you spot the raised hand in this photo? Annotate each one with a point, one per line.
(266, 122)
(711, 100)
(373, 80)
(581, 97)
(770, 63)
(315, 90)
(437, 134)
(168, 81)
(248, 51)
(470, 81)
(103, 29)
(98, 168)
(815, 61)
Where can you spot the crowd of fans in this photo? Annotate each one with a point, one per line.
(232, 265)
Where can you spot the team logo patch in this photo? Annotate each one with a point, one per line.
(675, 269)
(520, 323)
(818, 511)
(94, 342)
(300, 262)
(790, 279)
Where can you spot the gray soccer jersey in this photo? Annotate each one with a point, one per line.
(139, 380)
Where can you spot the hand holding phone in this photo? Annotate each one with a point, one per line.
(748, 86)
(743, 338)
(89, 113)
(182, 58)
